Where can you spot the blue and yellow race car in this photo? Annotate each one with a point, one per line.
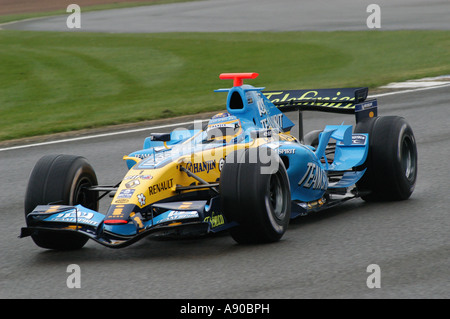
(242, 172)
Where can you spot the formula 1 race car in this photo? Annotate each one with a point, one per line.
(243, 172)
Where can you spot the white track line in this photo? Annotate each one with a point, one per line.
(74, 139)
(410, 90)
(178, 124)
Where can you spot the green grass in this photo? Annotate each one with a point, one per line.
(54, 82)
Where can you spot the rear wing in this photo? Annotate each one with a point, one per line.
(345, 100)
(326, 100)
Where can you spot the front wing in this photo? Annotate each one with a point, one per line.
(174, 219)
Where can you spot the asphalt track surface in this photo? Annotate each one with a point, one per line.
(324, 255)
(254, 15)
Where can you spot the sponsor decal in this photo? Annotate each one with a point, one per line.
(248, 96)
(77, 214)
(316, 203)
(277, 118)
(126, 193)
(52, 209)
(367, 105)
(286, 151)
(137, 221)
(175, 215)
(359, 139)
(337, 101)
(286, 137)
(132, 184)
(234, 125)
(261, 107)
(141, 199)
(76, 217)
(142, 156)
(118, 212)
(161, 186)
(185, 205)
(314, 178)
(266, 119)
(201, 166)
(138, 177)
(221, 163)
(215, 220)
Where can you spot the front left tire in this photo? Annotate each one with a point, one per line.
(60, 180)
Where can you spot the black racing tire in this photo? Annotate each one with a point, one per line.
(255, 193)
(60, 180)
(392, 159)
(312, 138)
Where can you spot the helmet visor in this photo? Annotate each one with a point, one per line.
(222, 131)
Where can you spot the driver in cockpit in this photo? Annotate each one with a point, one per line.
(224, 128)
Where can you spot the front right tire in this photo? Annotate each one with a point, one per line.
(255, 193)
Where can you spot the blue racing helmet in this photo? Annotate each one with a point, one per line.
(223, 127)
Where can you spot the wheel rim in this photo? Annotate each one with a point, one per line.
(275, 198)
(82, 196)
(408, 158)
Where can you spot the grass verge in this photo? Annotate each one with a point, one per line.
(55, 82)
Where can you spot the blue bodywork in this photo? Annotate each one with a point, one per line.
(309, 167)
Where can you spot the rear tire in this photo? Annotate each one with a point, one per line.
(312, 138)
(60, 180)
(255, 196)
(392, 159)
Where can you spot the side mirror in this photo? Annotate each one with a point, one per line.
(161, 137)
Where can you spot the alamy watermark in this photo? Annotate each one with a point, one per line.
(374, 19)
(240, 148)
(74, 279)
(74, 19)
(374, 279)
